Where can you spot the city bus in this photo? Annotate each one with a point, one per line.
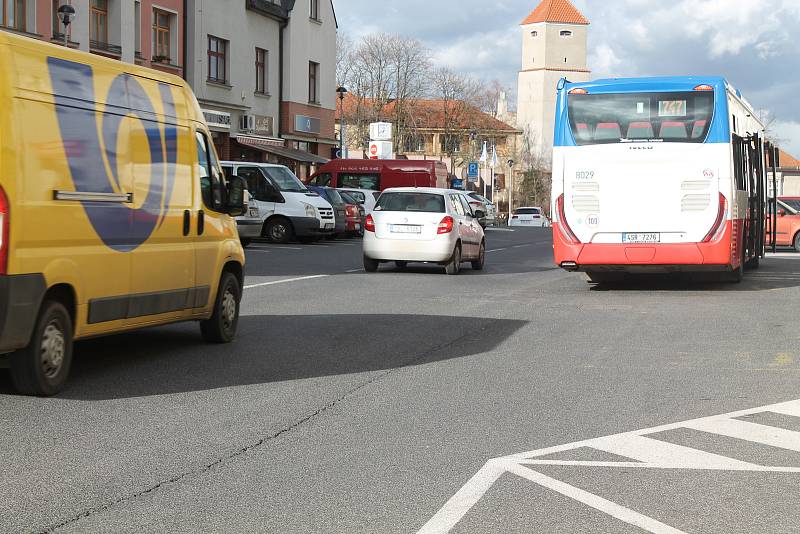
(657, 175)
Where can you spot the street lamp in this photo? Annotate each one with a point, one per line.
(510, 187)
(341, 91)
(66, 14)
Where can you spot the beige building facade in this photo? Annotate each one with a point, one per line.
(554, 46)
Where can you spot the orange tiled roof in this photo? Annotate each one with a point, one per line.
(430, 114)
(556, 11)
(787, 160)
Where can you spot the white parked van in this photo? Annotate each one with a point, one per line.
(287, 209)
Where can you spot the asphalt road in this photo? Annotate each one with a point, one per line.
(517, 399)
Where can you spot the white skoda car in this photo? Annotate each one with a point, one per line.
(429, 225)
(532, 217)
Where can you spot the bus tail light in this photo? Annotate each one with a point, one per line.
(569, 235)
(369, 224)
(4, 231)
(704, 87)
(719, 224)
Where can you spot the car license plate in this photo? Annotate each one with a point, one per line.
(405, 229)
(253, 212)
(329, 226)
(641, 238)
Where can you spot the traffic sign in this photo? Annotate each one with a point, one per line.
(473, 170)
(457, 183)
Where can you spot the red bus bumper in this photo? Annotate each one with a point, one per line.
(718, 255)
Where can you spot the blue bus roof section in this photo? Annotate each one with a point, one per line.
(659, 84)
(720, 127)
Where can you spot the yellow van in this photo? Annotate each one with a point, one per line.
(113, 210)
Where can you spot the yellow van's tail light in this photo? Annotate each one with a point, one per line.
(4, 224)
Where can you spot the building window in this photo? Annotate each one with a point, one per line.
(566, 33)
(313, 82)
(534, 33)
(217, 52)
(261, 70)
(315, 9)
(162, 35)
(414, 143)
(451, 144)
(58, 28)
(13, 15)
(137, 32)
(98, 22)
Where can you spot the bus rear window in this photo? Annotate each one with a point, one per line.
(683, 117)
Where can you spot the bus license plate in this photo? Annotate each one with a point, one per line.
(641, 238)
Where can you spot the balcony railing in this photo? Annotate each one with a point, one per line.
(108, 48)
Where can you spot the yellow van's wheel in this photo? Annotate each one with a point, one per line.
(43, 366)
(221, 327)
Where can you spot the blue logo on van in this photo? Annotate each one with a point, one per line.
(121, 227)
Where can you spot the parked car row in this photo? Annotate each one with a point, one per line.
(281, 208)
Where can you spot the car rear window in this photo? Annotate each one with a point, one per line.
(528, 211)
(335, 198)
(408, 201)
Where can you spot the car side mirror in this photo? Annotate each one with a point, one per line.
(781, 213)
(235, 204)
(480, 214)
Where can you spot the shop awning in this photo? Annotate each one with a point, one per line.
(267, 145)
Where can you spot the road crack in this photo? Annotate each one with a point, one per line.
(263, 441)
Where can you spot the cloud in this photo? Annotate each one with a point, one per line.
(750, 43)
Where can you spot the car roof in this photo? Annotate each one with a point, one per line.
(433, 190)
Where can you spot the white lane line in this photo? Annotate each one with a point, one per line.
(595, 501)
(652, 454)
(354, 271)
(658, 452)
(467, 497)
(496, 250)
(259, 250)
(734, 428)
(288, 280)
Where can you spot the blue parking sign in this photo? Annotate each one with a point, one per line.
(457, 184)
(473, 171)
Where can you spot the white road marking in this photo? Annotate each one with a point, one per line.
(274, 247)
(259, 250)
(288, 280)
(354, 271)
(496, 250)
(651, 453)
(734, 428)
(595, 501)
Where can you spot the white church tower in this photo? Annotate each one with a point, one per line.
(554, 46)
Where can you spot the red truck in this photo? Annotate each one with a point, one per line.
(377, 175)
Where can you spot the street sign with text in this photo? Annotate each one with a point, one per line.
(473, 170)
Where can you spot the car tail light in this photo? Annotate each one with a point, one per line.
(446, 225)
(475, 203)
(719, 225)
(5, 222)
(369, 224)
(350, 210)
(562, 218)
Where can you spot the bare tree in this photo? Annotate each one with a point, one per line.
(384, 74)
(458, 96)
(536, 176)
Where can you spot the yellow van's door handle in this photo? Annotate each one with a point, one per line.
(187, 222)
(201, 222)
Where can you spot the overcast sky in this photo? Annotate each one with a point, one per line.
(753, 44)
